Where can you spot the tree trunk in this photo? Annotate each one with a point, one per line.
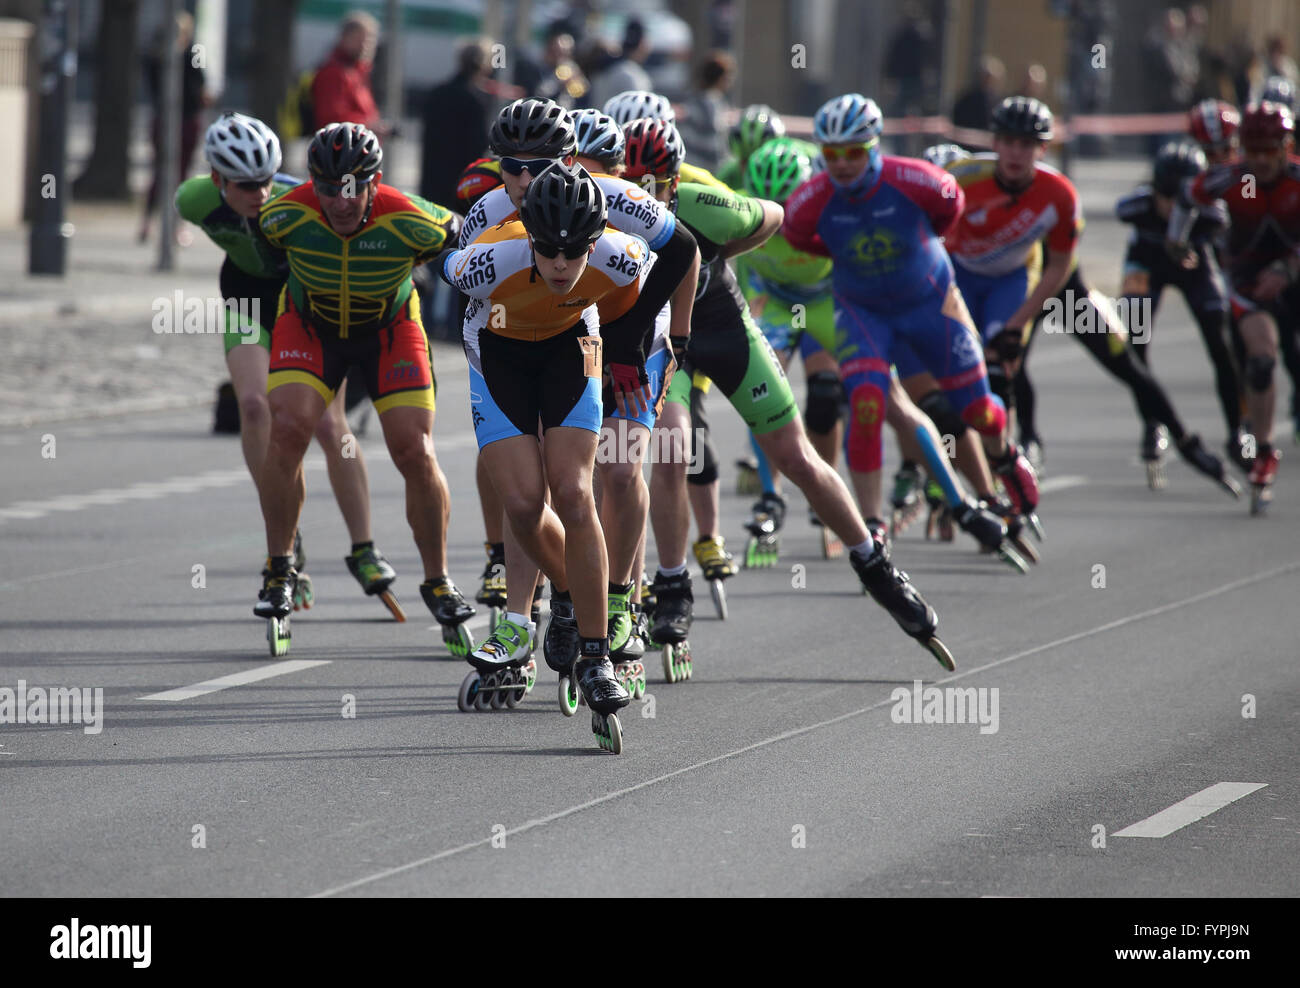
(272, 68)
(117, 67)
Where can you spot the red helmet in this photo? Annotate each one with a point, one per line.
(1266, 125)
(1213, 123)
(653, 148)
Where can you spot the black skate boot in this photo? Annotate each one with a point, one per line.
(672, 624)
(1201, 459)
(990, 531)
(891, 589)
(939, 522)
(907, 500)
(492, 588)
(603, 693)
(449, 609)
(1017, 528)
(561, 642)
(275, 602)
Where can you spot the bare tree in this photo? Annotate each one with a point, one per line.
(117, 68)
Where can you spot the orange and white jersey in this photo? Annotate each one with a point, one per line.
(998, 231)
(630, 209)
(509, 297)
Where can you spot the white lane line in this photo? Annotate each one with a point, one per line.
(1063, 482)
(1191, 809)
(237, 679)
(142, 490)
(800, 731)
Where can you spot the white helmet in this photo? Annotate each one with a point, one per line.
(242, 148)
(944, 155)
(847, 119)
(637, 103)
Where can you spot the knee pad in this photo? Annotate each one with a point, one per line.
(1001, 386)
(945, 417)
(1259, 373)
(703, 468)
(987, 415)
(864, 444)
(825, 399)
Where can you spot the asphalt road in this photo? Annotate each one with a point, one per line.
(779, 769)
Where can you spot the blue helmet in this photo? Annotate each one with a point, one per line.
(847, 119)
(1279, 89)
(599, 136)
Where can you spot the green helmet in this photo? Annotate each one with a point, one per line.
(759, 123)
(777, 168)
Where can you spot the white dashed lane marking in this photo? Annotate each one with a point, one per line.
(236, 679)
(1191, 809)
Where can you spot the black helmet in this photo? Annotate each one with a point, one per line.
(1175, 163)
(340, 149)
(533, 126)
(564, 207)
(1023, 117)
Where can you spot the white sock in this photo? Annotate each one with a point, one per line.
(675, 571)
(865, 549)
(520, 619)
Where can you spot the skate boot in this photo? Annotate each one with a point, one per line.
(712, 555)
(1017, 533)
(990, 531)
(1261, 478)
(748, 483)
(891, 589)
(764, 531)
(906, 500)
(451, 611)
(672, 624)
(560, 647)
(647, 598)
(1154, 444)
(275, 603)
(304, 594)
(492, 589)
(1199, 458)
(939, 523)
(370, 569)
(603, 693)
(504, 670)
(1020, 483)
(626, 647)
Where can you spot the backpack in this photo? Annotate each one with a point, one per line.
(297, 117)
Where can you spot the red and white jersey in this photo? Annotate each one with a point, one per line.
(999, 231)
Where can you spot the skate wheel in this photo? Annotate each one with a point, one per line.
(278, 635)
(499, 683)
(832, 547)
(569, 696)
(393, 606)
(670, 665)
(458, 639)
(1036, 525)
(469, 691)
(719, 598)
(608, 731)
(1009, 556)
(303, 596)
(1025, 548)
(486, 693)
(529, 676)
(940, 651)
(1156, 475)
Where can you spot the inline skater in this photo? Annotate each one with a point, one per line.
(245, 158)
(758, 124)
(351, 244)
(1262, 195)
(534, 341)
(727, 347)
(1148, 269)
(881, 220)
(1023, 203)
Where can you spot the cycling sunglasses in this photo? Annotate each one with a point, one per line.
(534, 166)
(847, 152)
(332, 190)
(253, 186)
(550, 250)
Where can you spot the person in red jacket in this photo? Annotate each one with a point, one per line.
(341, 90)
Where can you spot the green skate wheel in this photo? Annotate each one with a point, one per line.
(278, 635)
(608, 732)
(568, 696)
(458, 639)
(670, 666)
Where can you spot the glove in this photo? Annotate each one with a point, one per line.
(1007, 343)
(678, 346)
(628, 377)
(1179, 252)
